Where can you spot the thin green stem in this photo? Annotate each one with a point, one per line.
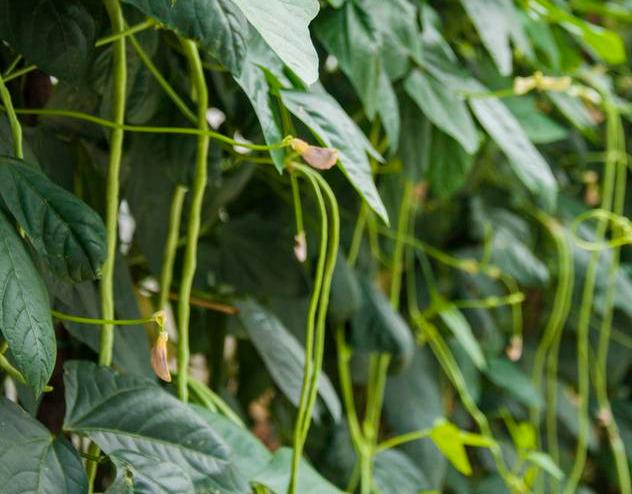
(99, 322)
(20, 73)
(393, 442)
(119, 78)
(171, 245)
(14, 373)
(549, 344)
(616, 142)
(358, 233)
(310, 329)
(14, 123)
(173, 95)
(583, 329)
(193, 228)
(298, 208)
(55, 112)
(12, 65)
(123, 33)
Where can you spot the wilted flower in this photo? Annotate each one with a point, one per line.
(159, 357)
(317, 157)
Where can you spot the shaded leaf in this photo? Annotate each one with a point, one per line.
(350, 35)
(25, 320)
(512, 379)
(444, 108)
(61, 227)
(449, 165)
(123, 412)
(376, 327)
(396, 473)
(138, 473)
(33, 461)
(57, 36)
(283, 355)
(460, 328)
(217, 25)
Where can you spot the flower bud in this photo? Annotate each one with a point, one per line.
(317, 157)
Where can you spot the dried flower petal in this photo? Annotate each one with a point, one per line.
(514, 351)
(300, 246)
(159, 357)
(317, 157)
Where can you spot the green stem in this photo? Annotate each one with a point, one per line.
(14, 123)
(54, 112)
(403, 439)
(119, 77)
(171, 245)
(193, 229)
(118, 36)
(12, 65)
(112, 188)
(616, 142)
(309, 332)
(14, 373)
(173, 95)
(20, 73)
(583, 329)
(549, 343)
(115, 322)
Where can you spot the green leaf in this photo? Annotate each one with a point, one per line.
(376, 327)
(25, 320)
(350, 35)
(606, 44)
(539, 128)
(283, 24)
(346, 295)
(56, 36)
(138, 473)
(546, 463)
(456, 322)
(333, 127)
(447, 438)
(497, 24)
(259, 63)
(32, 460)
(276, 476)
(61, 227)
(449, 165)
(510, 377)
(413, 401)
(388, 110)
(249, 453)
(396, 22)
(283, 355)
(123, 412)
(526, 161)
(218, 26)
(443, 108)
(396, 473)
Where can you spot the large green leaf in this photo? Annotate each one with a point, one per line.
(283, 355)
(276, 476)
(61, 227)
(333, 127)
(497, 24)
(443, 108)
(350, 35)
(284, 26)
(454, 319)
(396, 473)
(138, 473)
(123, 412)
(449, 165)
(527, 162)
(32, 460)
(25, 320)
(261, 62)
(217, 25)
(511, 378)
(376, 327)
(57, 36)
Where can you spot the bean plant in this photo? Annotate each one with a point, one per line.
(313, 247)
